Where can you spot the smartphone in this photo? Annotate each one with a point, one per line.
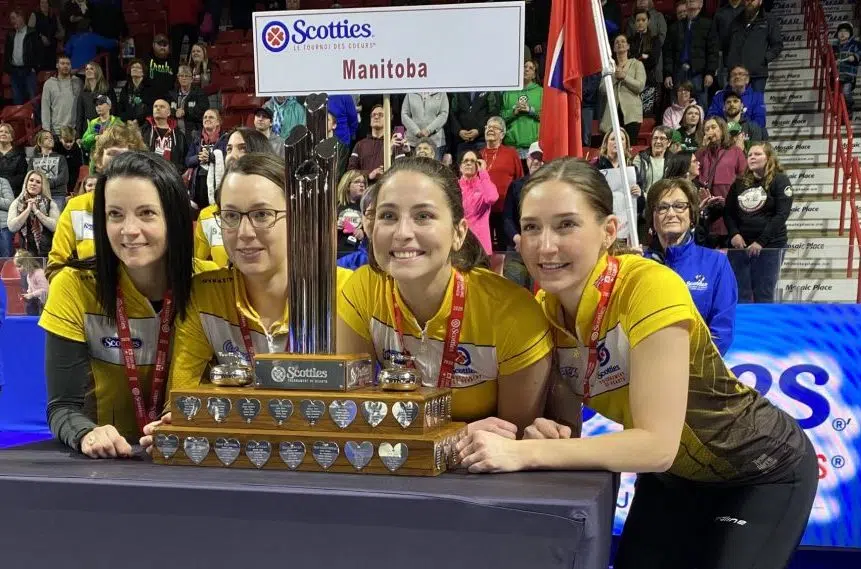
(523, 100)
(400, 130)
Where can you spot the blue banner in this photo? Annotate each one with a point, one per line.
(805, 359)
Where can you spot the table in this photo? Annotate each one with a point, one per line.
(59, 509)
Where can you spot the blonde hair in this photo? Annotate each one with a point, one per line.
(772, 167)
(10, 128)
(37, 139)
(99, 85)
(26, 262)
(46, 183)
(344, 185)
(118, 135)
(606, 141)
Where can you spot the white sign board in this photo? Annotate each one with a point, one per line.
(390, 50)
(620, 204)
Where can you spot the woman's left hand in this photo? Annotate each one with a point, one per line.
(636, 191)
(754, 249)
(493, 425)
(488, 452)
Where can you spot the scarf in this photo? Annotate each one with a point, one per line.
(207, 139)
(33, 227)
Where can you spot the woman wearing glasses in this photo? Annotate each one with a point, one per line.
(240, 310)
(671, 212)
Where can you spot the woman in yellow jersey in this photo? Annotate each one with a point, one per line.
(240, 309)
(726, 480)
(74, 235)
(108, 319)
(208, 243)
(426, 294)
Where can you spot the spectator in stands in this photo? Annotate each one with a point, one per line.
(263, 125)
(52, 165)
(367, 103)
(721, 32)
(76, 16)
(6, 199)
(645, 47)
(673, 114)
(13, 162)
(133, 102)
(688, 53)
(522, 112)
(721, 162)
(628, 83)
(847, 52)
(608, 158)
(162, 136)
(343, 109)
(733, 108)
(162, 73)
(343, 149)
(206, 159)
(287, 113)
(468, 113)
(23, 56)
(657, 28)
(691, 129)
(97, 126)
(612, 17)
(424, 115)
(652, 162)
(753, 102)
(755, 40)
(479, 194)
(94, 86)
(425, 148)
(72, 152)
(60, 97)
(85, 46)
(351, 234)
(671, 212)
(183, 20)
(504, 166)
(201, 66)
(757, 208)
(590, 106)
(46, 23)
(683, 165)
(33, 272)
(89, 184)
(367, 155)
(188, 102)
(513, 268)
(33, 215)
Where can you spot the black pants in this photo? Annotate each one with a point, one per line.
(680, 524)
(756, 276)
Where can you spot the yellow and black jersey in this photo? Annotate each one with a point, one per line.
(74, 233)
(503, 332)
(730, 431)
(212, 325)
(207, 238)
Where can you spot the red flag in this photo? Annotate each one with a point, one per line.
(572, 53)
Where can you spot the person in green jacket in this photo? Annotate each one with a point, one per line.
(522, 111)
(98, 125)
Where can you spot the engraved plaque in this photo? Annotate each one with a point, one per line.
(292, 453)
(325, 453)
(258, 452)
(359, 454)
(281, 410)
(393, 457)
(188, 405)
(312, 410)
(196, 448)
(248, 408)
(218, 408)
(405, 412)
(374, 412)
(227, 450)
(167, 445)
(343, 412)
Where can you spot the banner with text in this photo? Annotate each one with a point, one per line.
(804, 358)
(389, 50)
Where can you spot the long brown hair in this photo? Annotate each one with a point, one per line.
(725, 140)
(471, 253)
(772, 167)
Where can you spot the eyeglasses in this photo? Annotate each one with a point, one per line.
(659, 139)
(491, 127)
(469, 161)
(678, 207)
(259, 218)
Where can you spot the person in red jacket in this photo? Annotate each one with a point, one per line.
(183, 19)
(504, 166)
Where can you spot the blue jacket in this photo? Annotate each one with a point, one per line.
(82, 48)
(355, 259)
(752, 102)
(2, 320)
(711, 283)
(343, 108)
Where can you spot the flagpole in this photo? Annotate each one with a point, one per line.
(608, 70)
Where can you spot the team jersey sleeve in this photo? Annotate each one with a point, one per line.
(63, 314)
(653, 297)
(191, 351)
(355, 301)
(63, 242)
(201, 245)
(525, 334)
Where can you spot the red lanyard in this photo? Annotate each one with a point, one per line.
(143, 415)
(605, 285)
(452, 334)
(246, 335)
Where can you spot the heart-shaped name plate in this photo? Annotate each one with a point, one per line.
(196, 448)
(167, 445)
(281, 410)
(405, 412)
(227, 450)
(248, 408)
(393, 457)
(258, 452)
(374, 412)
(292, 453)
(325, 453)
(312, 410)
(218, 408)
(343, 412)
(188, 405)
(359, 454)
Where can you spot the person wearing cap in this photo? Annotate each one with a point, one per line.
(675, 142)
(733, 112)
(263, 125)
(103, 120)
(752, 102)
(847, 52)
(162, 137)
(162, 75)
(755, 39)
(513, 268)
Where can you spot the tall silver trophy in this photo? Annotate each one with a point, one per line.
(311, 362)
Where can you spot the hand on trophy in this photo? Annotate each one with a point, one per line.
(105, 442)
(147, 440)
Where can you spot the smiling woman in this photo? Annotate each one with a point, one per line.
(108, 318)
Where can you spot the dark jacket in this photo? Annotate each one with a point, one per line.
(195, 104)
(162, 77)
(755, 45)
(87, 108)
(178, 144)
(13, 167)
(32, 49)
(75, 158)
(722, 24)
(135, 103)
(198, 190)
(645, 170)
(638, 49)
(759, 214)
(703, 54)
(511, 210)
(467, 114)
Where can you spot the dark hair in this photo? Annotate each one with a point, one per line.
(254, 141)
(471, 253)
(731, 95)
(678, 165)
(63, 55)
(666, 185)
(177, 217)
(266, 164)
(463, 154)
(725, 141)
(685, 86)
(137, 61)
